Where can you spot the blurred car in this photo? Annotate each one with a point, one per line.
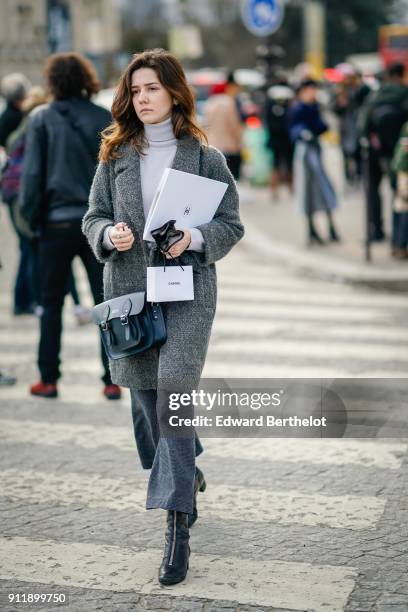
(204, 83)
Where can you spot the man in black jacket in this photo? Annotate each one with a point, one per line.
(59, 164)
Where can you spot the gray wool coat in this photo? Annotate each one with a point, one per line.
(116, 196)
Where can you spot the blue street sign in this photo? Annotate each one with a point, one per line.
(262, 17)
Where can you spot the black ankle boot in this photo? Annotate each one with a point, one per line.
(333, 235)
(314, 237)
(199, 485)
(174, 565)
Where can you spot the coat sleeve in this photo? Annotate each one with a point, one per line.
(225, 229)
(100, 214)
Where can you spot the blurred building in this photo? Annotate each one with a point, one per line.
(31, 29)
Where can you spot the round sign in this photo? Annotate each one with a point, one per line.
(262, 17)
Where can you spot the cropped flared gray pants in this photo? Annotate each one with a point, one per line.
(170, 458)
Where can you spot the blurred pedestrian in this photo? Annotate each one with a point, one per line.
(14, 88)
(155, 127)
(224, 125)
(313, 188)
(59, 164)
(26, 287)
(380, 124)
(276, 115)
(349, 97)
(400, 204)
(6, 381)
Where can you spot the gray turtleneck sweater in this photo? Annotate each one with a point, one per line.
(162, 145)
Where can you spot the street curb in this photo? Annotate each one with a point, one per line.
(326, 267)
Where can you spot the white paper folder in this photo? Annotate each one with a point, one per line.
(188, 198)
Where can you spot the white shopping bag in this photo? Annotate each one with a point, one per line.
(170, 284)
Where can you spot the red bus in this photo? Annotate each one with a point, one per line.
(393, 44)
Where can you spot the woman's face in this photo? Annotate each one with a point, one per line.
(151, 101)
(308, 95)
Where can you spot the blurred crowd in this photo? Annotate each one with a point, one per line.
(49, 140)
(371, 122)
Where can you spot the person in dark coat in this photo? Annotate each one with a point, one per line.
(59, 164)
(14, 88)
(380, 124)
(276, 112)
(313, 189)
(155, 127)
(349, 97)
(400, 204)
(26, 294)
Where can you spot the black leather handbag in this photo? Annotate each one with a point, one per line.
(129, 325)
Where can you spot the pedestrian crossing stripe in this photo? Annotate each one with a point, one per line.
(240, 308)
(268, 295)
(307, 348)
(280, 347)
(227, 327)
(272, 583)
(230, 503)
(378, 454)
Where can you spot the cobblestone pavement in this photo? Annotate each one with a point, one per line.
(284, 525)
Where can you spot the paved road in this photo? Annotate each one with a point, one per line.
(285, 524)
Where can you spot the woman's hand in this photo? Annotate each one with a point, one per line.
(121, 236)
(177, 249)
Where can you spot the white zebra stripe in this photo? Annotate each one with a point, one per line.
(217, 367)
(377, 454)
(293, 312)
(279, 584)
(83, 337)
(230, 292)
(300, 348)
(230, 503)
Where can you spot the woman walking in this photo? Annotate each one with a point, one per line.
(153, 128)
(313, 188)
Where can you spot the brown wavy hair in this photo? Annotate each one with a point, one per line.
(126, 125)
(70, 75)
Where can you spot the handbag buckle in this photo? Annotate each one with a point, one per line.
(126, 308)
(105, 323)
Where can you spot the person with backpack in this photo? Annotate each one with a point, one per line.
(349, 96)
(60, 159)
(380, 124)
(15, 88)
(27, 285)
